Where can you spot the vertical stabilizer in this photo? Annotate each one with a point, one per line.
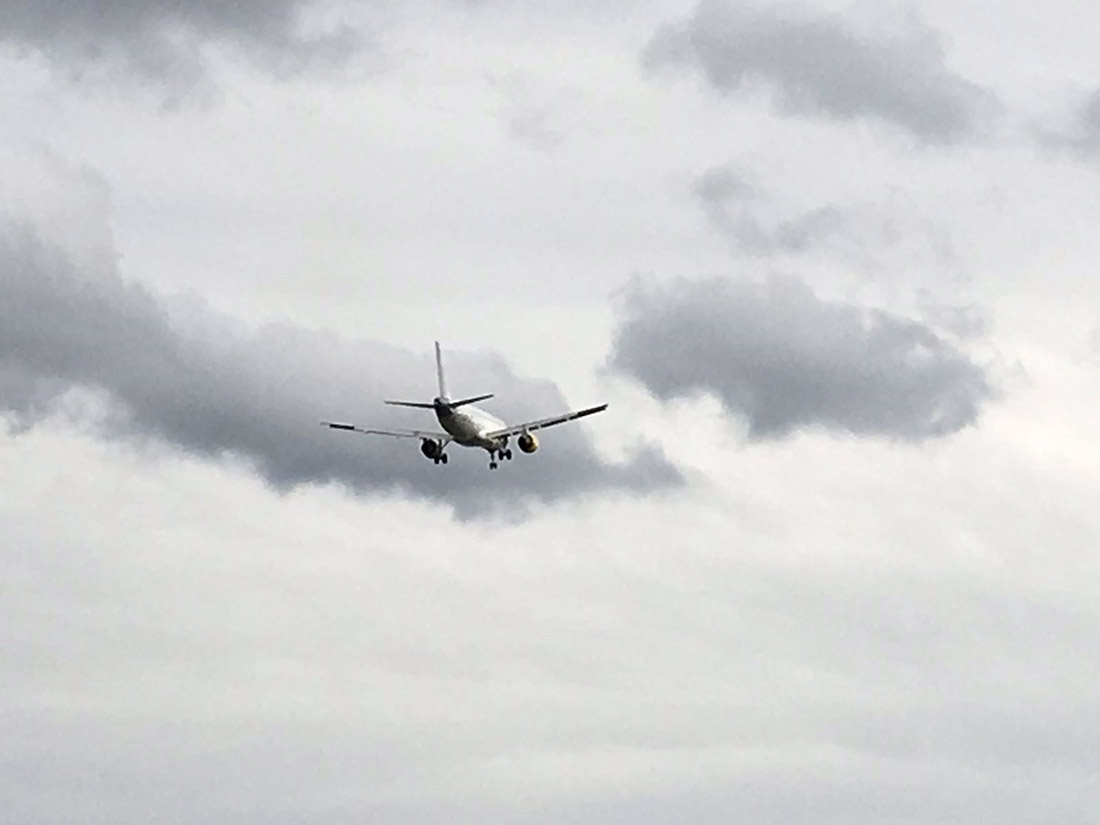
(439, 373)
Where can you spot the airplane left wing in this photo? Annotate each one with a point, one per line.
(351, 428)
(530, 426)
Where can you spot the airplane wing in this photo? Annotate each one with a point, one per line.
(545, 422)
(351, 428)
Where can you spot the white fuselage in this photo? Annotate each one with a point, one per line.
(469, 427)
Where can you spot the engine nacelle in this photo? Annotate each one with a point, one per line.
(528, 443)
(432, 449)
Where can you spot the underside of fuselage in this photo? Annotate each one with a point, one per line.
(469, 426)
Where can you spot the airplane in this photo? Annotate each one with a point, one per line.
(467, 425)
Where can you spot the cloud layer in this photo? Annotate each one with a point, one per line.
(819, 64)
(784, 360)
(832, 630)
(175, 371)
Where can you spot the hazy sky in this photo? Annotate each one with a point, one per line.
(829, 557)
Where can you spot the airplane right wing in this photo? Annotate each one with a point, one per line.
(530, 426)
(351, 428)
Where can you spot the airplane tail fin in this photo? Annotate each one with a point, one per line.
(442, 401)
(439, 372)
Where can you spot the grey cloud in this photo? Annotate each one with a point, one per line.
(531, 112)
(177, 372)
(728, 201)
(1088, 122)
(1082, 138)
(819, 64)
(786, 360)
(163, 40)
(964, 321)
(874, 237)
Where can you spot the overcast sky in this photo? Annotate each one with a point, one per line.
(830, 556)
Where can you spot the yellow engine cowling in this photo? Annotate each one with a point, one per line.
(528, 443)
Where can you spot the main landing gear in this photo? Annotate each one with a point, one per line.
(494, 454)
(433, 450)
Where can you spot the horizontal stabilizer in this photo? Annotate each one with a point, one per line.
(424, 405)
(463, 402)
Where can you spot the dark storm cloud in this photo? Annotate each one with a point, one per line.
(785, 360)
(819, 64)
(163, 39)
(177, 372)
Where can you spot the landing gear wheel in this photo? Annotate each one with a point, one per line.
(443, 458)
(492, 465)
(508, 454)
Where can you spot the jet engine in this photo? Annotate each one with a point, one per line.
(528, 443)
(433, 450)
